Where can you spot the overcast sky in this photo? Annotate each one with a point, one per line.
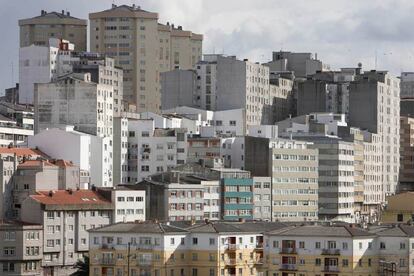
(342, 32)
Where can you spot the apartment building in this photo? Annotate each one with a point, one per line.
(9, 160)
(214, 248)
(90, 153)
(14, 134)
(174, 198)
(61, 25)
(21, 245)
(41, 175)
(381, 116)
(295, 180)
(128, 202)
(103, 71)
(75, 100)
(143, 48)
(399, 208)
(281, 93)
(22, 114)
(407, 85)
(66, 215)
(301, 64)
(42, 64)
(153, 150)
(262, 198)
(320, 250)
(177, 88)
(407, 154)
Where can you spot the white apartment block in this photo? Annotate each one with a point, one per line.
(212, 199)
(129, 204)
(295, 179)
(120, 150)
(336, 178)
(91, 153)
(379, 92)
(152, 150)
(12, 133)
(143, 48)
(42, 64)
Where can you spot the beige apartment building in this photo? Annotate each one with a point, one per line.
(37, 30)
(143, 48)
(295, 180)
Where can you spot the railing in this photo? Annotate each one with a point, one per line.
(288, 250)
(331, 251)
(107, 261)
(232, 246)
(259, 261)
(145, 246)
(230, 261)
(331, 268)
(107, 246)
(288, 267)
(144, 262)
(259, 245)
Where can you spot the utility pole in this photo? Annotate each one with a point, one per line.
(128, 256)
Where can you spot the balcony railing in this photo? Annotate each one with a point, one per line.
(288, 250)
(331, 251)
(107, 246)
(290, 267)
(107, 261)
(259, 245)
(145, 246)
(259, 261)
(232, 246)
(230, 261)
(144, 262)
(331, 268)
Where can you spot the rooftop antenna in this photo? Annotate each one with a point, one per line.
(12, 73)
(376, 58)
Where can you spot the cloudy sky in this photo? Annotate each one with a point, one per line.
(342, 32)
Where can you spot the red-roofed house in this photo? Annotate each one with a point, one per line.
(66, 216)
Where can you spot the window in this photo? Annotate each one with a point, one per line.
(9, 251)
(195, 240)
(382, 245)
(344, 245)
(212, 241)
(317, 245)
(301, 244)
(402, 245)
(345, 263)
(121, 198)
(318, 262)
(400, 217)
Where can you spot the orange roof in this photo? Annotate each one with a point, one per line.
(64, 197)
(21, 151)
(35, 163)
(62, 163)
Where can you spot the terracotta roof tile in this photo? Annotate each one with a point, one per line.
(22, 151)
(35, 163)
(63, 197)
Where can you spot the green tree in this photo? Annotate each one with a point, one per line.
(82, 267)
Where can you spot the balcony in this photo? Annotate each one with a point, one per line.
(331, 251)
(331, 268)
(259, 246)
(145, 246)
(288, 250)
(107, 246)
(144, 262)
(107, 261)
(232, 247)
(230, 261)
(288, 267)
(259, 261)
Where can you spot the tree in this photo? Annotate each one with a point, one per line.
(82, 267)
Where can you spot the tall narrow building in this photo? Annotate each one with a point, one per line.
(143, 48)
(39, 29)
(374, 105)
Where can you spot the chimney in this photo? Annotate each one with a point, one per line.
(63, 12)
(172, 25)
(50, 193)
(68, 13)
(113, 6)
